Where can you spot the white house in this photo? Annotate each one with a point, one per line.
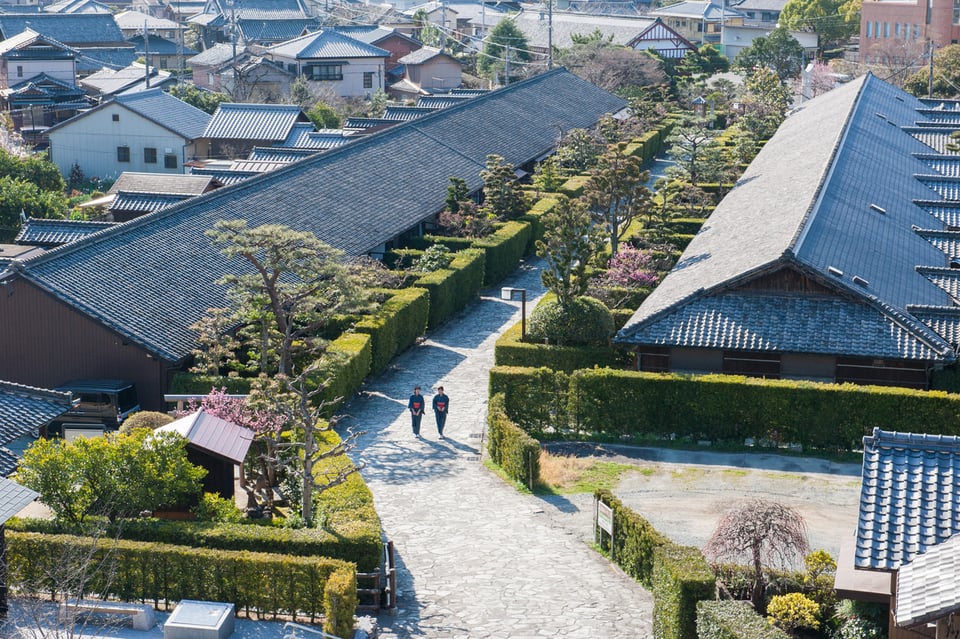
(149, 131)
(29, 54)
(348, 67)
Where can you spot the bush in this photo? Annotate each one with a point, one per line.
(346, 364)
(535, 398)
(433, 259)
(148, 419)
(339, 603)
(635, 542)
(196, 384)
(213, 507)
(504, 249)
(861, 620)
(681, 578)
(453, 288)
(573, 188)
(733, 620)
(793, 611)
(396, 325)
(511, 448)
(510, 351)
(586, 321)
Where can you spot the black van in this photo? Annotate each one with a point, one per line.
(99, 405)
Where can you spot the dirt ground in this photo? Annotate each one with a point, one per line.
(684, 493)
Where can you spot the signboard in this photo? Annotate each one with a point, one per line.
(604, 517)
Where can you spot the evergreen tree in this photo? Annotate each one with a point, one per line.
(505, 42)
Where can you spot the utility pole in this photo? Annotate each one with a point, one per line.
(930, 76)
(443, 26)
(179, 45)
(549, 34)
(146, 53)
(233, 29)
(506, 65)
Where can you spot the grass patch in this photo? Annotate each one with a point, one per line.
(566, 474)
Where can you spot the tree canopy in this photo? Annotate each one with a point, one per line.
(833, 20)
(505, 41)
(780, 52)
(204, 100)
(946, 74)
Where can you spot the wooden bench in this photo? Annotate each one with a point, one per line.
(141, 614)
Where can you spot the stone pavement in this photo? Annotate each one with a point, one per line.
(475, 557)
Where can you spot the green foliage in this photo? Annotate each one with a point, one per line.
(396, 325)
(457, 192)
(345, 365)
(504, 40)
(204, 100)
(116, 476)
(503, 250)
(635, 541)
(268, 584)
(766, 103)
(570, 243)
(946, 74)
(340, 602)
(451, 289)
(534, 398)
(17, 195)
(825, 17)
(148, 419)
(196, 384)
(434, 258)
(511, 448)
(681, 578)
(780, 52)
(584, 321)
(213, 507)
(733, 620)
(615, 192)
(324, 116)
(547, 177)
(861, 620)
(501, 197)
(510, 351)
(793, 611)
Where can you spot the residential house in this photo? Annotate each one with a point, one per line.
(249, 77)
(907, 527)
(427, 70)
(236, 128)
(108, 83)
(699, 21)
(347, 67)
(68, 315)
(30, 54)
(897, 33)
(397, 43)
(136, 194)
(95, 36)
(466, 22)
(637, 33)
(24, 411)
(132, 23)
(262, 22)
(737, 38)
(813, 267)
(162, 53)
(760, 13)
(48, 234)
(149, 131)
(77, 6)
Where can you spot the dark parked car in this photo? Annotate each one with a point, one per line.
(99, 405)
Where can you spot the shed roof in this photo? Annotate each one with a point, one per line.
(355, 198)
(237, 121)
(213, 435)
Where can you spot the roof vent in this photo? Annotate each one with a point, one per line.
(833, 270)
(878, 209)
(859, 280)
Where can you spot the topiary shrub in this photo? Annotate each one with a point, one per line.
(793, 611)
(145, 419)
(585, 322)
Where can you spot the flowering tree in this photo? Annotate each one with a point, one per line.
(632, 268)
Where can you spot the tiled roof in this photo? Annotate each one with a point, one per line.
(947, 188)
(943, 320)
(946, 278)
(161, 108)
(136, 20)
(161, 183)
(29, 37)
(305, 136)
(927, 587)
(948, 165)
(74, 29)
(227, 177)
(370, 33)
(145, 202)
(110, 82)
(279, 154)
(257, 165)
(40, 232)
(935, 138)
(159, 46)
(270, 31)
(91, 59)
(13, 498)
(368, 123)
(404, 113)
(24, 409)
(235, 121)
(946, 241)
(326, 44)
(421, 55)
(699, 9)
(8, 462)
(215, 56)
(77, 6)
(355, 198)
(909, 497)
(841, 221)
(946, 212)
(534, 25)
(441, 101)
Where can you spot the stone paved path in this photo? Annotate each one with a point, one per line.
(475, 557)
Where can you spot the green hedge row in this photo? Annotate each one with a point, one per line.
(451, 289)
(681, 578)
(510, 351)
(685, 225)
(511, 448)
(634, 540)
(615, 403)
(574, 186)
(348, 362)
(262, 583)
(423, 242)
(504, 248)
(396, 325)
(733, 620)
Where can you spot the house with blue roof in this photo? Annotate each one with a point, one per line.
(148, 131)
(95, 36)
(120, 303)
(836, 257)
(235, 128)
(348, 67)
(262, 22)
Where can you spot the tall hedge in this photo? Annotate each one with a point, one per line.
(511, 448)
(681, 578)
(396, 325)
(348, 361)
(262, 583)
(634, 540)
(733, 620)
(510, 351)
(452, 288)
(535, 398)
(339, 603)
(504, 248)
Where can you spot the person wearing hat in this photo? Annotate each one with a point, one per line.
(441, 404)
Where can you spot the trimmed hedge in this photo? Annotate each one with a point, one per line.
(423, 242)
(349, 361)
(681, 578)
(396, 325)
(510, 351)
(504, 248)
(451, 289)
(733, 620)
(574, 186)
(267, 584)
(686, 225)
(339, 603)
(634, 540)
(184, 383)
(511, 448)
(535, 398)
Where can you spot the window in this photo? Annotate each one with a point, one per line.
(169, 161)
(886, 29)
(19, 71)
(368, 79)
(896, 30)
(116, 117)
(752, 364)
(869, 32)
(292, 68)
(163, 63)
(149, 156)
(123, 154)
(956, 11)
(916, 32)
(324, 72)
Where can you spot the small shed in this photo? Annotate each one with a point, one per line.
(13, 499)
(215, 444)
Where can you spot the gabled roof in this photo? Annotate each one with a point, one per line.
(41, 232)
(215, 56)
(270, 31)
(137, 19)
(13, 499)
(213, 435)
(24, 409)
(424, 54)
(371, 33)
(909, 497)
(927, 586)
(809, 204)
(54, 90)
(108, 82)
(355, 198)
(696, 9)
(25, 44)
(326, 44)
(160, 108)
(534, 25)
(143, 203)
(77, 6)
(671, 44)
(159, 46)
(73, 29)
(240, 121)
(91, 59)
(304, 135)
(259, 9)
(162, 183)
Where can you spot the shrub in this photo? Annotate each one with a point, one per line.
(451, 289)
(346, 364)
(195, 384)
(148, 419)
(433, 258)
(503, 249)
(511, 448)
(535, 398)
(396, 325)
(584, 321)
(631, 268)
(861, 620)
(213, 507)
(339, 603)
(468, 221)
(635, 542)
(510, 351)
(575, 186)
(793, 611)
(681, 578)
(733, 620)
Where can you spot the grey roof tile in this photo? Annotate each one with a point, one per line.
(926, 587)
(214, 56)
(908, 497)
(279, 154)
(421, 55)
(304, 135)
(236, 121)
(135, 182)
(948, 165)
(404, 113)
(40, 232)
(8, 462)
(13, 498)
(270, 31)
(370, 33)
(442, 101)
(178, 116)
(145, 202)
(24, 409)
(326, 44)
(355, 198)
(73, 29)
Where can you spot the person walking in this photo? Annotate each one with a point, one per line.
(441, 404)
(416, 406)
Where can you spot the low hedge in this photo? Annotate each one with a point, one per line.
(451, 289)
(504, 248)
(348, 360)
(423, 242)
(396, 325)
(510, 351)
(685, 225)
(635, 540)
(681, 578)
(574, 186)
(511, 448)
(535, 398)
(621, 316)
(733, 620)
(184, 383)
(262, 583)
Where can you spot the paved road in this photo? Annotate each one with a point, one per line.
(477, 558)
